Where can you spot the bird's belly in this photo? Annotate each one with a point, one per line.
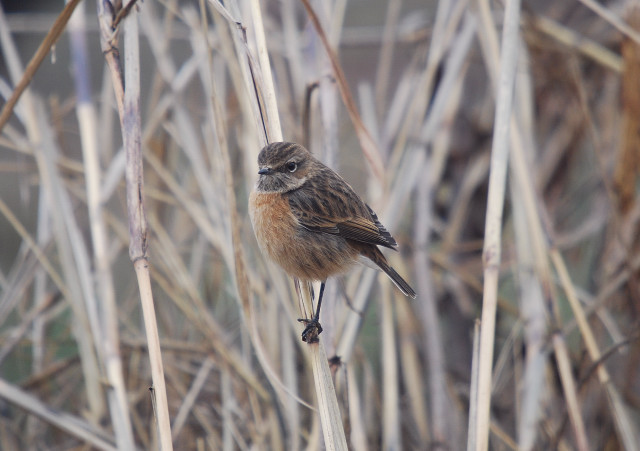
(301, 253)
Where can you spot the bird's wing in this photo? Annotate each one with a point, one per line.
(336, 209)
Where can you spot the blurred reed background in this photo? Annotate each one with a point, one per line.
(74, 369)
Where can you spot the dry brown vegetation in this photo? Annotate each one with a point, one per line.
(416, 140)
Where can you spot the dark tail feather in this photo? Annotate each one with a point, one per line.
(376, 256)
(399, 282)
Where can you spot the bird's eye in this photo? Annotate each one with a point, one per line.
(292, 166)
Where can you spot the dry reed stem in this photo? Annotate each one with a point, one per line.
(159, 394)
(534, 255)
(441, 418)
(73, 425)
(328, 409)
(390, 380)
(264, 90)
(358, 436)
(332, 427)
(249, 69)
(413, 376)
(203, 321)
(383, 70)
(330, 417)
(564, 368)
(253, 394)
(190, 399)
(627, 432)
(33, 246)
(107, 336)
(445, 422)
(359, 303)
(131, 130)
(369, 148)
(628, 164)
(588, 47)
(610, 17)
(265, 65)
(129, 109)
(493, 225)
(42, 52)
(622, 421)
(23, 328)
(473, 390)
(532, 308)
(241, 276)
(65, 229)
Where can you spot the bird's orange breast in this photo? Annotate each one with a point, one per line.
(273, 223)
(301, 253)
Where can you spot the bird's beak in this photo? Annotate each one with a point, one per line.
(264, 171)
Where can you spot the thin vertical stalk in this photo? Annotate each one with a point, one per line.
(383, 71)
(390, 383)
(263, 58)
(532, 311)
(473, 389)
(41, 138)
(131, 134)
(264, 91)
(493, 224)
(107, 335)
(566, 378)
(128, 101)
(440, 403)
(369, 147)
(358, 437)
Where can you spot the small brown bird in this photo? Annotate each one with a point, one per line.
(312, 223)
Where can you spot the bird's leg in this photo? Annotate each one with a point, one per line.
(313, 327)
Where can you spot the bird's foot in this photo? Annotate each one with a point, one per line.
(311, 331)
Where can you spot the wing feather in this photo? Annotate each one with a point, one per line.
(329, 205)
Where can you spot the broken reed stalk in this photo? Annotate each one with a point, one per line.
(128, 101)
(493, 224)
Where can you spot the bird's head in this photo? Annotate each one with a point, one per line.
(283, 167)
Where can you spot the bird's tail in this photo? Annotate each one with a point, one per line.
(374, 254)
